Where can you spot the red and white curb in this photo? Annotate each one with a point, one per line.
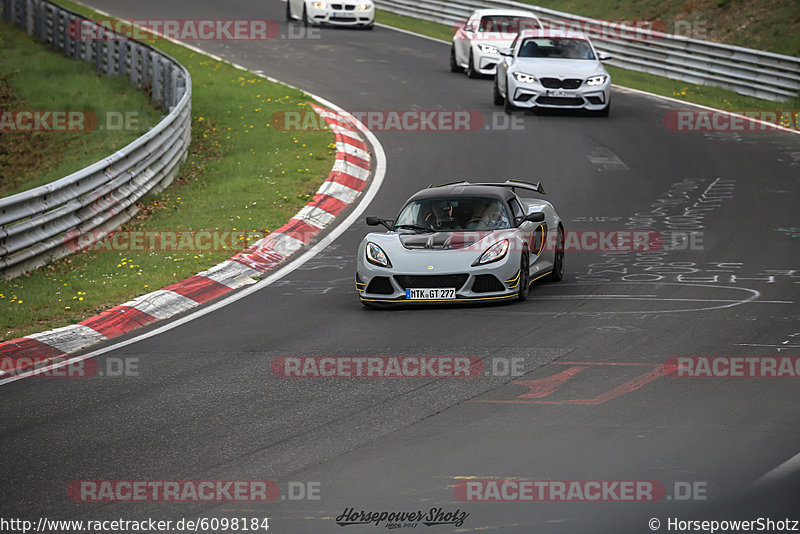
(344, 184)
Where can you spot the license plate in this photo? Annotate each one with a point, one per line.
(335, 14)
(563, 94)
(431, 294)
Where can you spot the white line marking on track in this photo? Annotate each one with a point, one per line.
(785, 470)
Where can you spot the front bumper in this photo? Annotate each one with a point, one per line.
(342, 15)
(592, 98)
(493, 282)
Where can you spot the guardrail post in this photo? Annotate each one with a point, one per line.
(39, 21)
(122, 58)
(134, 70)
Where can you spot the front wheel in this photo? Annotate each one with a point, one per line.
(453, 63)
(471, 72)
(496, 94)
(605, 111)
(508, 105)
(524, 276)
(306, 23)
(289, 11)
(558, 260)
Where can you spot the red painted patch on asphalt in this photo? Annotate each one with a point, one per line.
(547, 386)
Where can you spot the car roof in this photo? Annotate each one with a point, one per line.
(490, 12)
(464, 191)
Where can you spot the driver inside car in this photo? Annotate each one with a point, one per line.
(441, 217)
(492, 217)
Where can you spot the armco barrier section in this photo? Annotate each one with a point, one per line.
(748, 72)
(42, 224)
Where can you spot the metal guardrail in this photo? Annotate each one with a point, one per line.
(43, 224)
(748, 72)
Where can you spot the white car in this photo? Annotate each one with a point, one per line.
(339, 13)
(476, 44)
(546, 69)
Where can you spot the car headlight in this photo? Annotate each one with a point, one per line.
(488, 49)
(597, 80)
(521, 77)
(364, 6)
(494, 253)
(319, 5)
(377, 256)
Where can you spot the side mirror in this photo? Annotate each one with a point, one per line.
(536, 216)
(602, 56)
(377, 221)
(507, 52)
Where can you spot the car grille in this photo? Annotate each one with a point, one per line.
(555, 83)
(431, 281)
(380, 285)
(559, 101)
(487, 283)
(348, 7)
(594, 99)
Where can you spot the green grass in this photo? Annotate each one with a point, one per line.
(717, 97)
(28, 72)
(242, 175)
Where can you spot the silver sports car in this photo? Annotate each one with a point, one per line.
(462, 242)
(547, 69)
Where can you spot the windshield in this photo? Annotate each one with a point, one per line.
(560, 48)
(453, 214)
(507, 24)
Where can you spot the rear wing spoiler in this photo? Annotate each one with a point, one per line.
(513, 184)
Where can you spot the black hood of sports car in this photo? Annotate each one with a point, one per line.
(442, 240)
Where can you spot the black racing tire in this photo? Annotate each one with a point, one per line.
(453, 63)
(497, 96)
(508, 106)
(471, 72)
(557, 273)
(289, 17)
(524, 277)
(306, 22)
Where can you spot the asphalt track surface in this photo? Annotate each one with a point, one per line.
(206, 406)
